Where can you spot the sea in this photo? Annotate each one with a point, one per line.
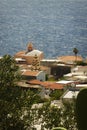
(53, 26)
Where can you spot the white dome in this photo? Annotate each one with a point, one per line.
(33, 53)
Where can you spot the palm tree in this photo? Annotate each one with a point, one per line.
(35, 63)
(75, 50)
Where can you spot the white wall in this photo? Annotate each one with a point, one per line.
(41, 76)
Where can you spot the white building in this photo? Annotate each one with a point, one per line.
(70, 95)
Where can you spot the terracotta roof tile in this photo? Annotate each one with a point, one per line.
(21, 53)
(46, 84)
(34, 82)
(30, 73)
(57, 86)
(70, 58)
(52, 85)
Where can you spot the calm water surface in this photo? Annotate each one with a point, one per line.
(53, 26)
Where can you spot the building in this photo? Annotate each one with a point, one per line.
(80, 69)
(78, 73)
(57, 67)
(20, 61)
(49, 62)
(68, 96)
(29, 54)
(28, 75)
(70, 59)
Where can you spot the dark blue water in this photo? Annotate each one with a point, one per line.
(53, 26)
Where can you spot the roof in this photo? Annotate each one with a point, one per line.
(20, 59)
(30, 73)
(46, 84)
(20, 53)
(26, 85)
(34, 82)
(51, 85)
(70, 58)
(81, 85)
(33, 53)
(56, 86)
(30, 53)
(70, 94)
(50, 60)
(64, 82)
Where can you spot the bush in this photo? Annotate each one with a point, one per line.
(59, 128)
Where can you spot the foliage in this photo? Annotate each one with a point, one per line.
(35, 63)
(51, 79)
(75, 50)
(53, 116)
(9, 93)
(69, 116)
(58, 128)
(13, 100)
(56, 94)
(9, 73)
(10, 109)
(46, 77)
(81, 63)
(81, 109)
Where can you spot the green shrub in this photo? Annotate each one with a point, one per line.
(81, 63)
(59, 128)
